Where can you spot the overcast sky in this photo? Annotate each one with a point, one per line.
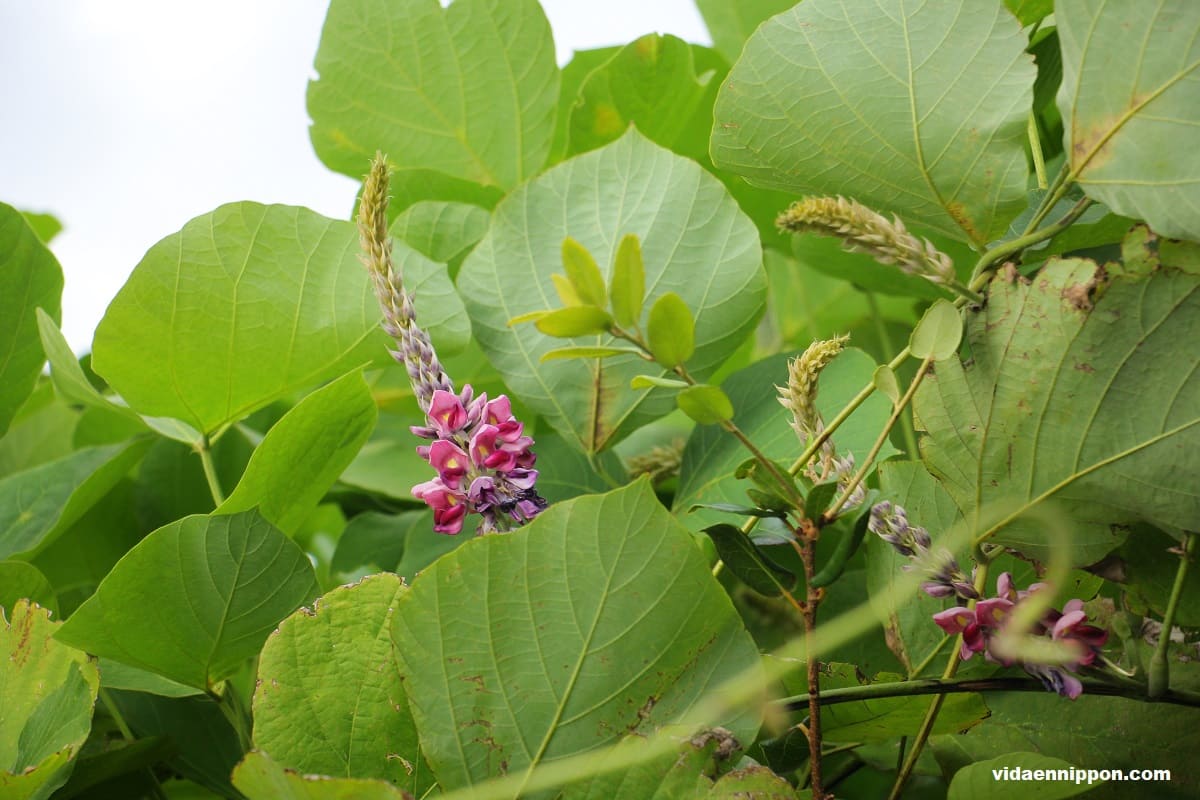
(126, 118)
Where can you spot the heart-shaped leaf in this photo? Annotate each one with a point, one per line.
(597, 619)
(867, 99)
(469, 91)
(195, 599)
(1130, 101)
(243, 305)
(695, 242)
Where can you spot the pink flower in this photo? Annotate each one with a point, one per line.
(446, 413)
(1071, 627)
(448, 505)
(449, 460)
(963, 620)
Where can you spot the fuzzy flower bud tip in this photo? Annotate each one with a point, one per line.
(414, 349)
(799, 397)
(865, 231)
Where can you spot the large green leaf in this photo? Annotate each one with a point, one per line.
(30, 278)
(656, 83)
(1104, 733)
(304, 452)
(1130, 99)
(469, 91)
(918, 109)
(48, 693)
(46, 226)
(598, 619)
(78, 559)
(978, 781)
(242, 306)
(712, 455)
(330, 699)
(40, 503)
(195, 599)
(261, 778)
(442, 231)
(695, 242)
(1053, 405)
(730, 22)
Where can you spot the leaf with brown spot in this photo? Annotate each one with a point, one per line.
(1112, 442)
(49, 690)
(1130, 101)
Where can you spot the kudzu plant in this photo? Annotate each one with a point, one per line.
(810, 415)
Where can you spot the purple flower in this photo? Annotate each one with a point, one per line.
(979, 624)
(483, 460)
(1056, 680)
(975, 626)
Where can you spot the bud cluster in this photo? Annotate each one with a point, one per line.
(865, 231)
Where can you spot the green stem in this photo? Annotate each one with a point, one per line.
(979, 275)
(842, 416)
(1035, 149)
(925, 662)
(1158, 675)
(1056, 191)
(910, 761)
(234, 712)
(879, 442)
(889, 352)
(110, 706)
(210, 471)
(940, 686)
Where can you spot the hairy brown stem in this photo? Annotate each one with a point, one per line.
(808, 538)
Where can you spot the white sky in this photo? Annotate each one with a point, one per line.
(126, 118)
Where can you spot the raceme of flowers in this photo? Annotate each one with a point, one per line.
(480, 451)
(979, 624)
(483, 460)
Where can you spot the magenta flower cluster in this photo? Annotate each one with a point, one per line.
(979, 625)
(483, 460)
